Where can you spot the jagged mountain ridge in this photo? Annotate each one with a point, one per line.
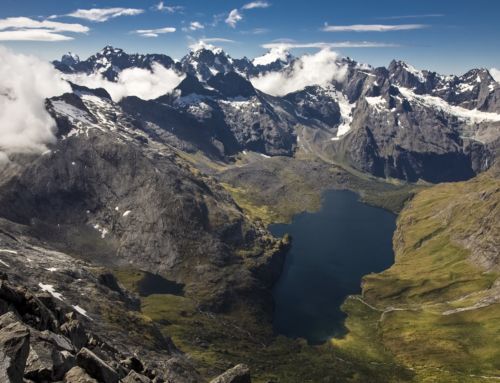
(390, 122)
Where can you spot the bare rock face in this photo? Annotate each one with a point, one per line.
(96, 367)
(14, 350)
(238, 374)
(46, 354)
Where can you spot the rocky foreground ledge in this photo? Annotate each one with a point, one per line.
(41, 340)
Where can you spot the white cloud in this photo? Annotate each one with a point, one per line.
(138, 82)
(217, 40)
(168, 8)
(33, 35)
(372, 27)
(233, 18)
(314, 69)
(259, 31)
(205, 44)
(274, 54)
(325, 45)
(256, 4)
(25, 83)
(26, 29)
(495, 73)
(104, 14)
(196, 25)
(154, 32)
(428, 15)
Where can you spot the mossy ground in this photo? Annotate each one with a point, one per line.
(275, 189)
(409, 307)
(216, 342)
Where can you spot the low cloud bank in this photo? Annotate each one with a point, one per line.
(315, 69)
(138, 82)
(25, 83)
(495, 73)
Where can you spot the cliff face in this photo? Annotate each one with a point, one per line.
(436, 310)
(109, 199)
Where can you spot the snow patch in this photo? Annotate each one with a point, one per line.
(473, 116)
(377, 103)
(101, 230)
(81, 311)
(8, 251)
(414, 71)
(50, 289)
(346, 109)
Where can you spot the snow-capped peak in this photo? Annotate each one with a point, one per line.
(411, 69)
(109, 50)
(200, 46)
(70, 59)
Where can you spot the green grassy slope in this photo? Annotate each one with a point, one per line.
(437, 309)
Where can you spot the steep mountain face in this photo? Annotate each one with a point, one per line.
(115, 193)
(221, 118)
(396, 130)
(475, 89)
(396, 122)
(206, 63)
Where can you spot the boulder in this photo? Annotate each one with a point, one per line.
(78, 375)
(75, 331)
(14, 349)
(96, 367)
(134, 377)
(238, 374)
(132, 363)
(46, 363)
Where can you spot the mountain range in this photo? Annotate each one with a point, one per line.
(136, 247)
(394, 122)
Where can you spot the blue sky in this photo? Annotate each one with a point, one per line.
(446, 36)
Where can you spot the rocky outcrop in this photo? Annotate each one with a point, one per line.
(14, 349)
(237, 374)
(95, 366)
(34, 346)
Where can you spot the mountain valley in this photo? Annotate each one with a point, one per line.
(136, 248)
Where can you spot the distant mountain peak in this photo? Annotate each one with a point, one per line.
(108, 49)
(70, 59)
(232, 85)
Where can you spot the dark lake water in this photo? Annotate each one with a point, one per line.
(331, 251)
(156, 284)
